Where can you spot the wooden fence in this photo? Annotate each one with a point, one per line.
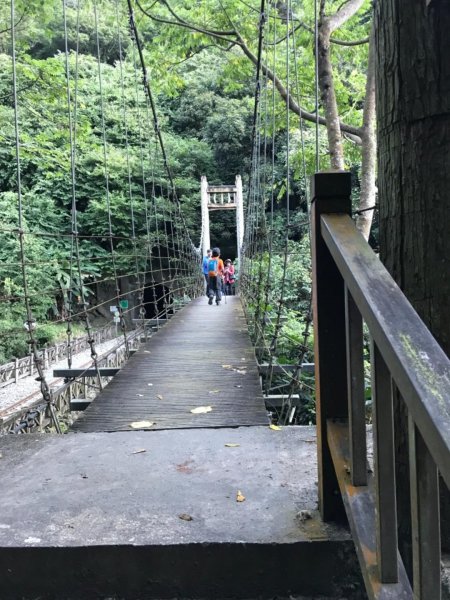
(351, 286)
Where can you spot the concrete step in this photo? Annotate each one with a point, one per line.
(155, 514)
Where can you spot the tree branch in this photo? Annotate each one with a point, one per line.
(350, 129)
(353, 133)
(344, 14)
(15, 25)
(184, 24)
(191, 25)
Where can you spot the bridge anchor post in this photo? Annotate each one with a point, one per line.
(330, 193)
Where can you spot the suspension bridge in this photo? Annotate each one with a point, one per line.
(184, 473)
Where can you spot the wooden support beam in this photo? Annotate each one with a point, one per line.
(276, 369)
(276, 400)
(78, 404)
(330, 193)
(361, 513)
(75, 373)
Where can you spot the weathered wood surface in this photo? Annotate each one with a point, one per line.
(360, 507)
(415, 360)
(202, 357)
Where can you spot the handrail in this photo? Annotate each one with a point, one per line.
(350, 285)
(19, 368)
(416, 362)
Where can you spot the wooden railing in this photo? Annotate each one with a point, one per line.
(351, 286)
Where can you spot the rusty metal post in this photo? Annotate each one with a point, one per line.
(330, 193)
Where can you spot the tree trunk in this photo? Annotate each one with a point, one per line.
(328, 97)
(369, 150)
(413, 101)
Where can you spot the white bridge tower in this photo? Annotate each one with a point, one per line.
(222, 197)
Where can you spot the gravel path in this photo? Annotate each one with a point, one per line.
(13, 393)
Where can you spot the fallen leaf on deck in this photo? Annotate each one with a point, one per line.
(238, 386)
(147, 351)
(232, 445)
(139, 451)
(150, 384)
(140, 395)
(275, 427)
(227, 366)
(240, 496)
(159, 396)
(201, 409)
(141, 424)
(214, 391)
(185, 517)
(240, 372)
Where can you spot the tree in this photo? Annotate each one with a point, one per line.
(189, 27)
(413, 75)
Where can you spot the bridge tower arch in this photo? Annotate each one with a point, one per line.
(222, 197)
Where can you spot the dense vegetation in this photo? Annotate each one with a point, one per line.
(204, 92)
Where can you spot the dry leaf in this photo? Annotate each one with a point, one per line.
(240, 496)
(275, 427)
(201, 409)
(139, 451)
(185, 517)
(147, 351)
(232, 445)
(227, 366)
(159, 396)
(214, 391)
(238, 386)
(141, 424)
(240, 372)
(140, 395)
(149, 384)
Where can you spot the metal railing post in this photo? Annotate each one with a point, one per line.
(330, 193)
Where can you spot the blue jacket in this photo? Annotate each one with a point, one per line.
(205, 264)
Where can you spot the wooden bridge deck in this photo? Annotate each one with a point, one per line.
(203, 357)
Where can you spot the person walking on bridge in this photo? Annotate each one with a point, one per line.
(215, 274)
(205, 268)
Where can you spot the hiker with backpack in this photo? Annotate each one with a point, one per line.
(205, 268)
(229, 278)
(215, 272)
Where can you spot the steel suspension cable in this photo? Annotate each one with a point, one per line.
(107, 190)
(140, 287)
(75, 244)
(45, 390)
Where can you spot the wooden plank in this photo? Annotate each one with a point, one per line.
(76, 373)
(79, 404)
(384, 467)
(426, 539)
(264, 368)
(192, 361)
(330, 193)
(418, 365)
(359, 504)
(355, 383)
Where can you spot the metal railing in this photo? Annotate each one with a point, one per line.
(19, 368)
(35, 417)
(351, 286)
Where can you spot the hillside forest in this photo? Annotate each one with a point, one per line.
(201, 59)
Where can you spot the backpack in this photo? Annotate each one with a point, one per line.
(213, 265)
